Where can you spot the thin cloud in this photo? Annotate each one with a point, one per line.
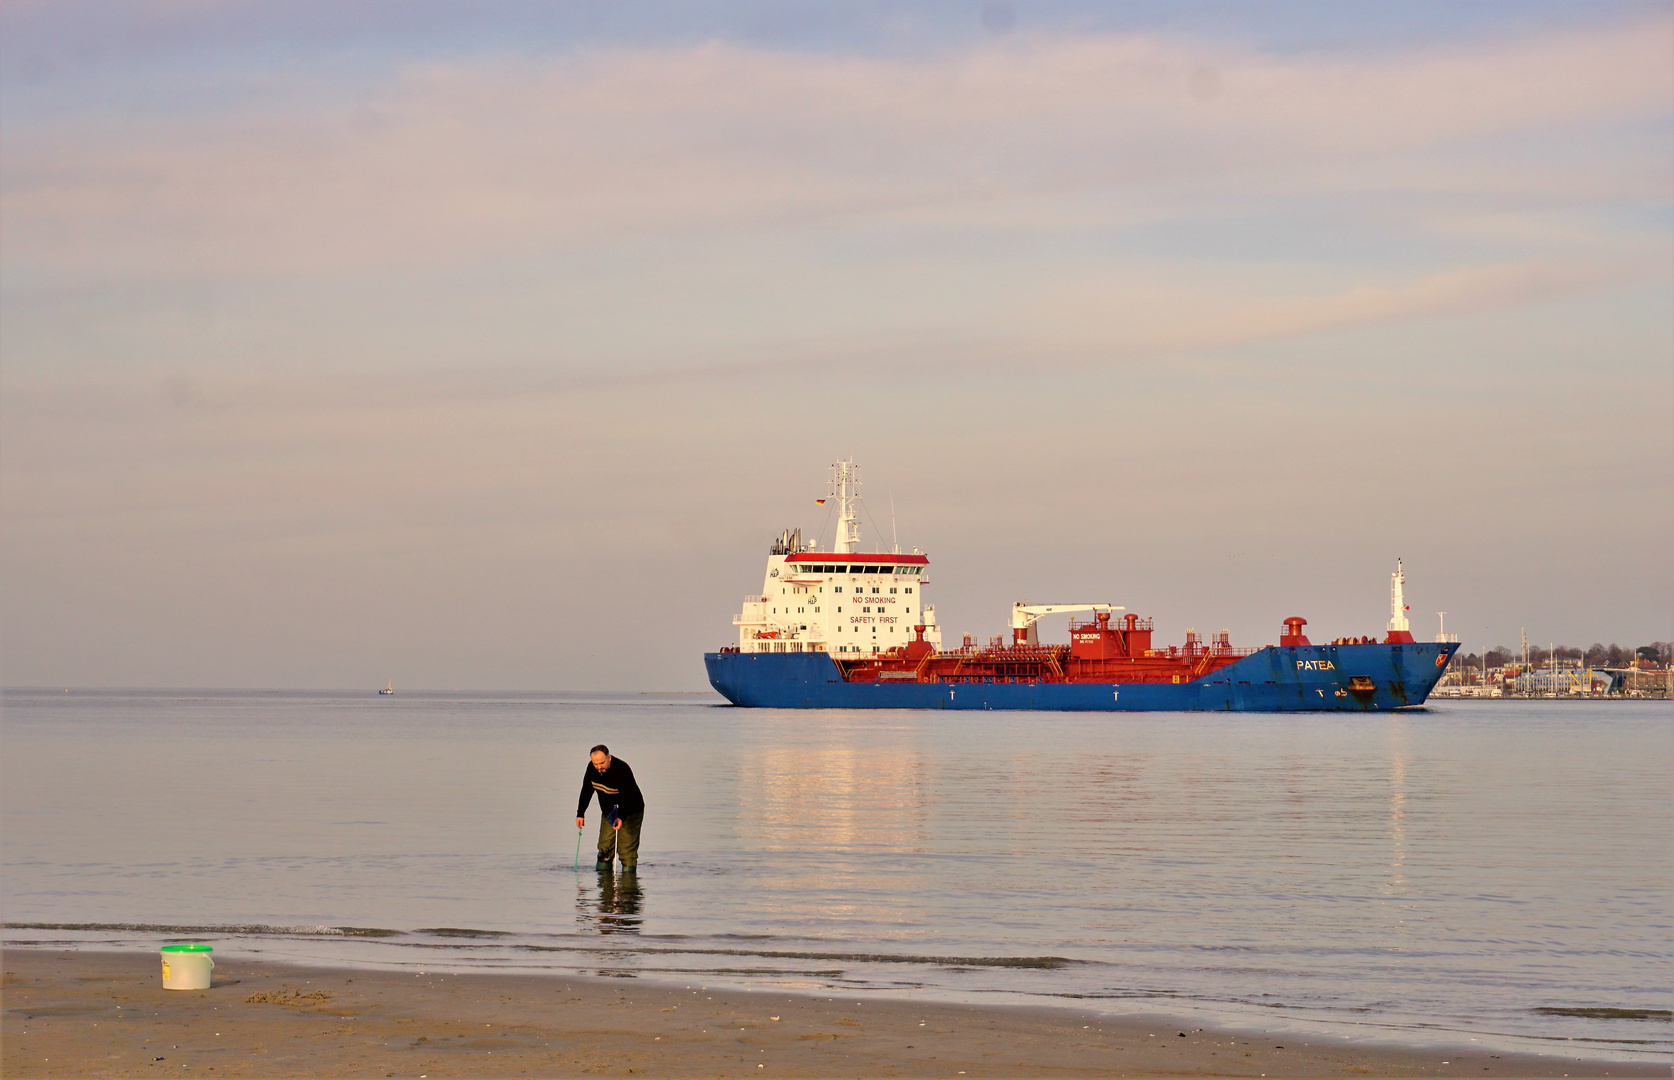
(512, 157)
(1133, 318)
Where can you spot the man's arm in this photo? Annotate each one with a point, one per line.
(629, 783)
(586, 797)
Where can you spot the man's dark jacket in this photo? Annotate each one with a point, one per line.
(615, 786)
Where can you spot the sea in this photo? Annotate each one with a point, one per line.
(1490, 874)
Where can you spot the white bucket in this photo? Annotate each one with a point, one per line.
(187, 967)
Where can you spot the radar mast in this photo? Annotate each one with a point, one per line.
(845, 484)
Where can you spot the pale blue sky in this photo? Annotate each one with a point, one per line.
(488, 346)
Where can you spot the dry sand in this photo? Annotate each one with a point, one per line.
(106, 1014)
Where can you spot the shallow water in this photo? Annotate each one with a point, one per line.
(1432, 876)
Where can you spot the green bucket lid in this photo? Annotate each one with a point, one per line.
(188, 948)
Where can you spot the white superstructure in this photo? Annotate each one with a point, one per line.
(843, 601)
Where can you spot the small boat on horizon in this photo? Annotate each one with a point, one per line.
(390, 689)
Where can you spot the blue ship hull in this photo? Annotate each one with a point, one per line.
(1298, 678)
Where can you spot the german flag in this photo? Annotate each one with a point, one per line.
(819, 502)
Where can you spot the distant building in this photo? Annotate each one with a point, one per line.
(1542, 682)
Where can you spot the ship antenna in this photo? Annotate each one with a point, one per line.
(894, 536)
(845, 483)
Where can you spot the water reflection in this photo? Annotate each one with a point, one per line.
(1397, 806)
(854, 787)
(615, 908)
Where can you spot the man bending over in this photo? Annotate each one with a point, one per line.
(622, 804)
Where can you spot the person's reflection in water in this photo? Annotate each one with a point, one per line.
(618, 906)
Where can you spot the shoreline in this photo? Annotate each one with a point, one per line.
(75, 1013)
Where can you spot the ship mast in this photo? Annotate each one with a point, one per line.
(845, 484)
(1397, 601)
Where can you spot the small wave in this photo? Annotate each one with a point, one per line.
(239, 929)
(1046, 963)
(364, 931)
(464, 932)
(1665, 1015)
(1042, 963)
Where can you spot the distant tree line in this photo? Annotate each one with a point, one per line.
(1595, 655)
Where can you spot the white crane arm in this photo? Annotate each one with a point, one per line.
(1025, 615)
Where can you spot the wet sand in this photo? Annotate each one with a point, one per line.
(105, 1014)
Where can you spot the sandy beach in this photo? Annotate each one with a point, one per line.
(78, 1014)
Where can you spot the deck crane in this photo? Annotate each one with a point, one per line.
(1024, 615)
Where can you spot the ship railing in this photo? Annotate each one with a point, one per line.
(1115, 624)
(1199, 650)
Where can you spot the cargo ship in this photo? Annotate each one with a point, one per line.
(842, 629)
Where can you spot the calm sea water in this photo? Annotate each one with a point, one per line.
(1434, 876)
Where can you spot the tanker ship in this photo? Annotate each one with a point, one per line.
(841, 629)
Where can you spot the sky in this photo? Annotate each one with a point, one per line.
(488, 346)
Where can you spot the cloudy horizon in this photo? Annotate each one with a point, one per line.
(490, 352)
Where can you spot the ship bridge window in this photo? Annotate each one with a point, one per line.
(886, 569)
(857, 569)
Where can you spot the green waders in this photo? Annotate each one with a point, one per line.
(623, 843)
